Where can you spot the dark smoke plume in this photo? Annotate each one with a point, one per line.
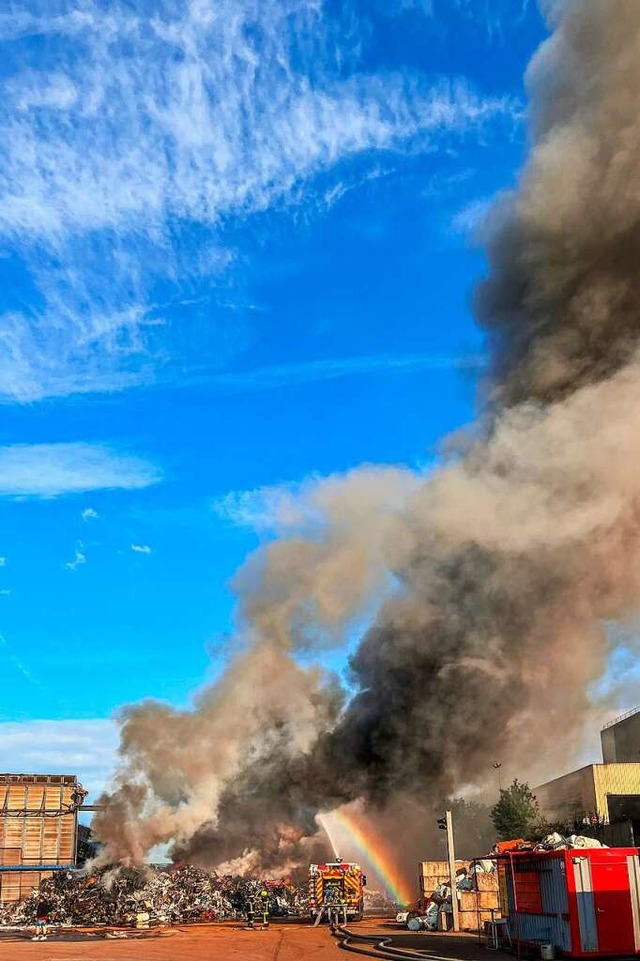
(487, 583)
(562, 301)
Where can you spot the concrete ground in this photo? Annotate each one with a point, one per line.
(288, 941)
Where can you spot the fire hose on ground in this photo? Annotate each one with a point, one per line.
(373, 946)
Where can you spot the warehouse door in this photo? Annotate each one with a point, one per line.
(624, 811)
(612, 899)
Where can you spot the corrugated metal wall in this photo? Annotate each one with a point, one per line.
(615, 779)
(34, 840)
(550, 926)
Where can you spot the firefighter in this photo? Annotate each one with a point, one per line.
(343, 906)
(264, 899)
(251, 912)
(332, 900)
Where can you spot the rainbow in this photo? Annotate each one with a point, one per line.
(354, 836)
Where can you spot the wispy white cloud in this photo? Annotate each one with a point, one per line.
(263, 508)
(79, 558)
(5, 592)
(51, 470)
(469, 219)
(3, 561)
(218, 109)
(141, 548)
(287, 375)
(393, 8)
(89, 514)
(126, 126)
(7, 653)
(496, 17)
(86, 748)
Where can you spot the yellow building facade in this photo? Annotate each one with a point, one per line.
(611, 791)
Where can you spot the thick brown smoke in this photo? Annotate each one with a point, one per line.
(488, 582)
(562, 300)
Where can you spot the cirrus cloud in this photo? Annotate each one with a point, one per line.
(135, 125)
(51, 470)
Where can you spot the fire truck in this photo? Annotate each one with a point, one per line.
(337, 884)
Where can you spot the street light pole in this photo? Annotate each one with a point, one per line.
(452, 871)
(496, 767)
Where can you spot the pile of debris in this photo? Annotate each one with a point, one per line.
(379, 902)
(121, 897)
(552, 842)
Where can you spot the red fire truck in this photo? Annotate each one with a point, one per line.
(337, 885)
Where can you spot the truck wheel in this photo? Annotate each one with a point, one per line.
(360, 912)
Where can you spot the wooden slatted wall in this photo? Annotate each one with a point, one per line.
(34, 840)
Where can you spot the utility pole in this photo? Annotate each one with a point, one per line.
(452, 871)
(446, 824)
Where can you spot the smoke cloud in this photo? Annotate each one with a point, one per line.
(487, 584)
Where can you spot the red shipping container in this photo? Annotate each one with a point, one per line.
(586, 901)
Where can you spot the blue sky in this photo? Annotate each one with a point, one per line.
(238, 240)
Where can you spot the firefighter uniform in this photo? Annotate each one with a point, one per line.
(251, 912)
(264, 898)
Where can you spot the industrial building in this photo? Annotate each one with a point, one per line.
(621, 739)
(602, 793)
(38, 829)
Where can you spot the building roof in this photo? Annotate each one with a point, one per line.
(38, 779)
(623, 717)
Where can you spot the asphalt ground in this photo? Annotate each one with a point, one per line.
(380, 937)
(230, 941)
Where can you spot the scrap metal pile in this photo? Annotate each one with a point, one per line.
(379, 902)
(118, 896)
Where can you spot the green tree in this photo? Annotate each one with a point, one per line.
(516, 814)
(474, 832)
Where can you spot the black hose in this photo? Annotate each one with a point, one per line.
(382, 947)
